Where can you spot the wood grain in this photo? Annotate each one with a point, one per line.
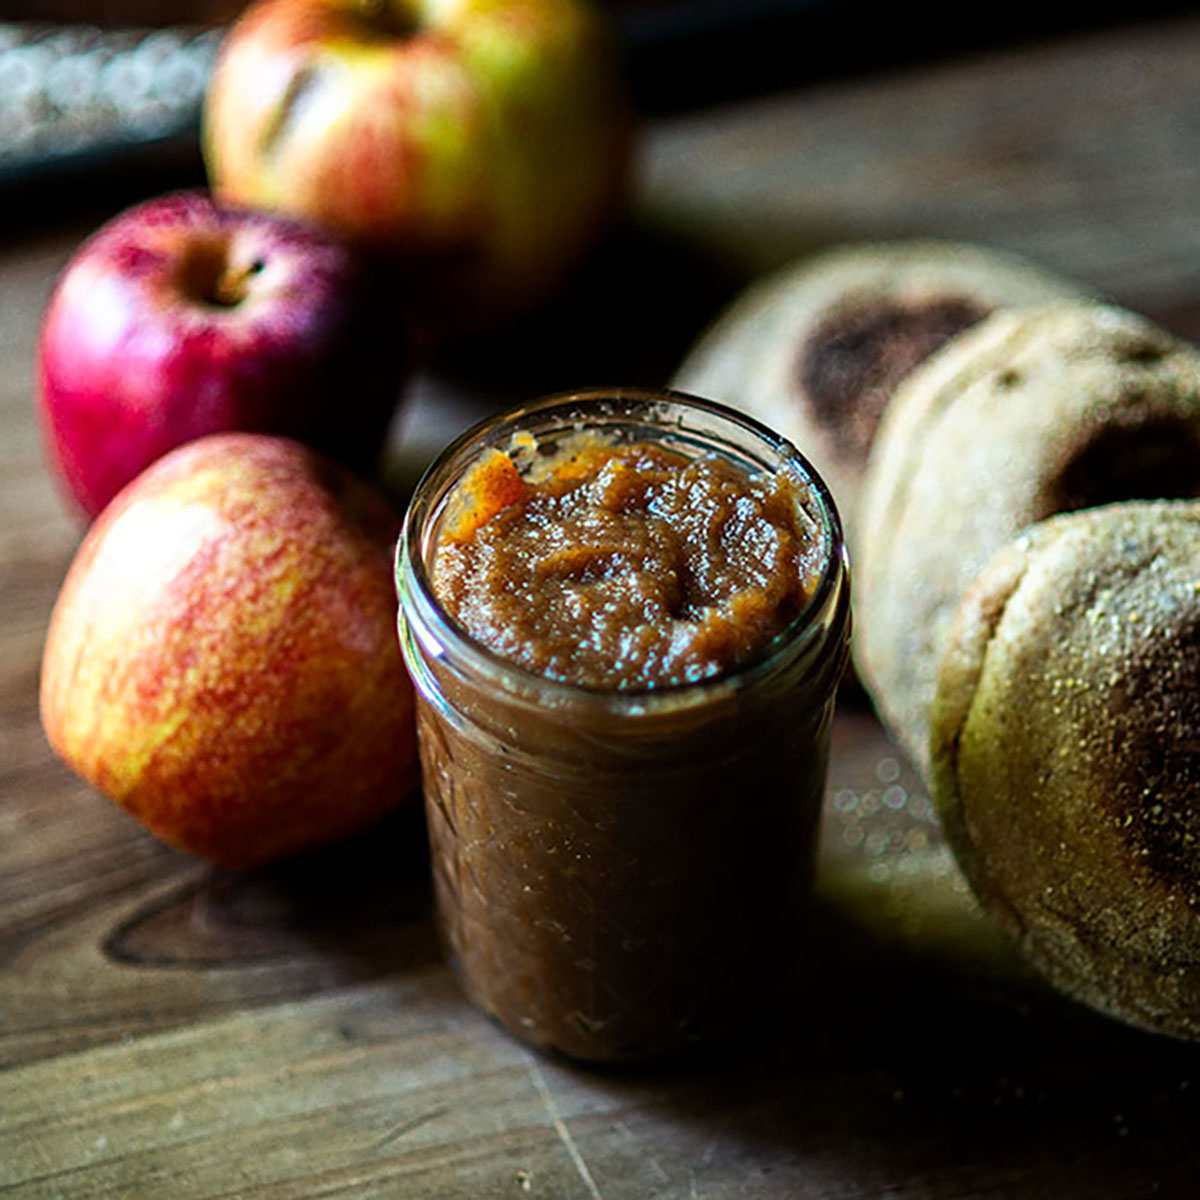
(171, 1030)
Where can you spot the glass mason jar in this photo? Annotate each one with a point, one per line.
(618, 874)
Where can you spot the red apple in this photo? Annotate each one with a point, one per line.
(484, 141)
(222, 661)
(180, 318)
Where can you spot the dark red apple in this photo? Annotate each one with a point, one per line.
(180, 318)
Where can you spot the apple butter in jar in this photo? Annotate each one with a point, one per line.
(626, 614)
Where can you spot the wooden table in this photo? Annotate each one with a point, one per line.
(170, 1030)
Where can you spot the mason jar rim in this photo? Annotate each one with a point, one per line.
(430, 621)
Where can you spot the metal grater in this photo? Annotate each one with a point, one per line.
(73, 92)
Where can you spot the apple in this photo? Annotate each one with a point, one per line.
(222, 659)
(180, 318)
(485, 143)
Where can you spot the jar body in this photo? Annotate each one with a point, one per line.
(619, 875)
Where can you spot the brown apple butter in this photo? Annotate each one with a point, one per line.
(626, 615)
(624, 566)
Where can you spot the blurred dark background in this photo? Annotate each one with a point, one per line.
(687, 52)
(99, 98)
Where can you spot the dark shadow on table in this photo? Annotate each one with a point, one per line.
(364, 902)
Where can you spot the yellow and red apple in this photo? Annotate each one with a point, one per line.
(222, 661)
(485, 142)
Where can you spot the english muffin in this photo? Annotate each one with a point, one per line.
(1030, 413)
(1065, 738)
(816, 349)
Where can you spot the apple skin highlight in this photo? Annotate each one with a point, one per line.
(222, 659)
(180, 318)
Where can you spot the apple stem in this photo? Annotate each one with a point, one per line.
(207, 275)
(230, 287)
(381, 18)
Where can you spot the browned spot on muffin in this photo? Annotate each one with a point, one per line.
(850, 366)
(1143, 353)
(1153, 460)
(1154, 711)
